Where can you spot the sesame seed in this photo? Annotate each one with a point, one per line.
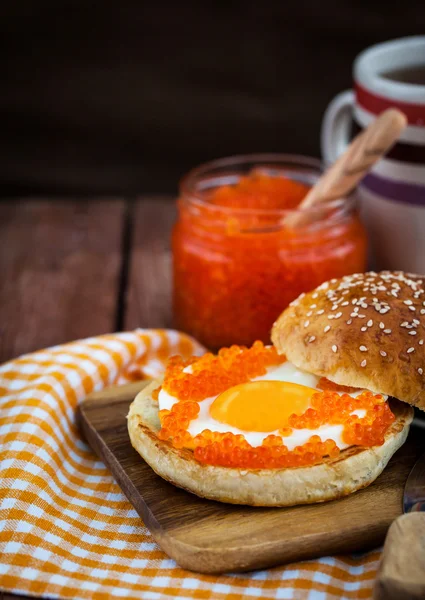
(320, 312)
(338, 315)
(416, 322)
(404, 324)
(370, 323)
(420, 371)
(363, 329)
(310, 312)
(363, 363)
(312, 338)
(356, 310)
(412, 308)
(410, 350)
(381, 325)
(327, 328)
(334, 348)
(383, 311)
(313, 305)
(387, 330)
(422, 311)
(408, 302)
(307, 323)
(361, 316)
(345, 303)
(362, 348)
(353, 314)
(412, 332)
(421, 342)
(349, 321)
(382, 353)
(314, 295)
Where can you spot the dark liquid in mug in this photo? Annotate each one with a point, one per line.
(413, 75)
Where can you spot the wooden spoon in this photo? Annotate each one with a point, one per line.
(343, 176)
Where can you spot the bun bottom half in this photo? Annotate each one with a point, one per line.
(353, 469)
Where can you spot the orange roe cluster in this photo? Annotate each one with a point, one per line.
(260, 191)
(229, 450)
(213, 374)
(236, 265)
(175, 422)
(330, 408)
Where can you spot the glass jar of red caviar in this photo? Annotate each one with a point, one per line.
(237, 263)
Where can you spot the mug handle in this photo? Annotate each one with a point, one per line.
(336, 125)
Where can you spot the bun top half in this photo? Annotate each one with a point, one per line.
(365, 330)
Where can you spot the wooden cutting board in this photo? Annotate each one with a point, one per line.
(210, 537)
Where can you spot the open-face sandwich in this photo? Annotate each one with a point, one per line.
(314, 417)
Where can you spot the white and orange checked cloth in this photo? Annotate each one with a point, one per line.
(67, 530)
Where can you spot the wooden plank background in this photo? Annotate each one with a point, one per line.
(60, 267)
(76, 268)
(72, 268)
(149, 274)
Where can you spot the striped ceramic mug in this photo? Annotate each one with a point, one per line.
(392, 196)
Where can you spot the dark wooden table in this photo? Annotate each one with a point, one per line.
(76, 268)
(72, 268)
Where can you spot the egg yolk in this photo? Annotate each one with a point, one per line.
(261, 406)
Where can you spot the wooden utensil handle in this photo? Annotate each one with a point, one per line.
(343, 176)
(401, 574)
(365, 150)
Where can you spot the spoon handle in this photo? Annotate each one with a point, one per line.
(401, 574)
(363, 152)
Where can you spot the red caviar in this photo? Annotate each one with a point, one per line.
(237, 265)
(331, 408)
(227, 449)
(231, 452)
(258, 190)
(212, 374)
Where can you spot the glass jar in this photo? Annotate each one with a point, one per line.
(236, 269)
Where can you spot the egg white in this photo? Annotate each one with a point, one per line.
(286, 372)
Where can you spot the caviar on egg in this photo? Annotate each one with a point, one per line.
(197, 379)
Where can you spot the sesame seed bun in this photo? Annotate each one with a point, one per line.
(353, 469)
(365, 330)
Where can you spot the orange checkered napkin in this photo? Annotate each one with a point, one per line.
(66, 529)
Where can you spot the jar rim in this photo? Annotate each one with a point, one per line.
(339, 206)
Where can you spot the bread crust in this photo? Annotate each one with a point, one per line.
(352, 470)
(365, 330)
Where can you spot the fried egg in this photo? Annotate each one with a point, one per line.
(262, 406)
